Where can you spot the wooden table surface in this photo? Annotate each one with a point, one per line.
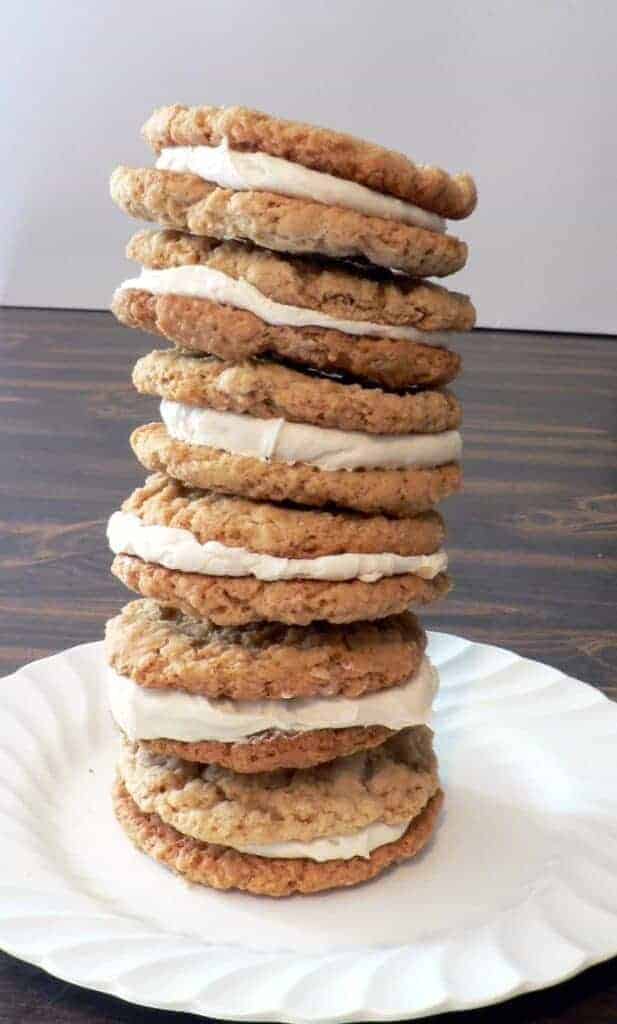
(532, 542)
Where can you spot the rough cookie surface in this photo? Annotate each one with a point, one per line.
(221, 867)
(270, 391)
(395, 492)
(390, 783)
(340, 290)
(236, 602)
(234, 334)
(159, 647)
(296, 226)
(321, 149)
(274, 530)
(159, 249)
(271, 751)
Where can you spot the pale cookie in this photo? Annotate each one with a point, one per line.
(389, 784)
(282, 223)
(159, 249)
(221, 867)
(235, 334)
(160, 648)
(274, 530)
(270, 391)
(267, 752)
(320, 149)
(394, 492)
(236, 602)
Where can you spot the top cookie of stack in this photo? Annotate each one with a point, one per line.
(306, 437)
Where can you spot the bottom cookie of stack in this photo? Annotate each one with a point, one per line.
(286, 831)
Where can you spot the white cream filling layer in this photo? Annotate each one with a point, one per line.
(232, 168)
(358, 844)
(179, 549)
(145, 714)
(324, 447)
(202, 282)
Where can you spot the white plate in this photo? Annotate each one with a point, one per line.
(518, 889)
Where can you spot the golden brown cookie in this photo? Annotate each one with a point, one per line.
(279, 531)
(339, 290)
(271, 751)
(160, 648)
(204, 326)
(270, 391)
(389, 784)
(320, 149)
(282, 223)
(235, 602)
(221, 867)
(394, 492)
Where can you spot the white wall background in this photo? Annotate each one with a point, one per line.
(521, 93)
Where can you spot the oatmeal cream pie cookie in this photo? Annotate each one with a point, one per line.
(265, 734)
(236, 561)
(267, 431)
(160, 649)
(270, 432)
(236, 301)
(286, 831)
(237, 143)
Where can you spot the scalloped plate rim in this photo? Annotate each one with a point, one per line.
(353, 1017)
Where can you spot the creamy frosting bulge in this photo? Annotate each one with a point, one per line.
(232, 168)
(358, 844)
(180, 550)
(145, 714)
(327, 448)
(203, 282)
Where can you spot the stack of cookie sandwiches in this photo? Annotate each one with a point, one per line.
(271, 681)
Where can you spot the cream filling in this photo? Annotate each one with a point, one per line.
(203, 282)
(358, 844)
(180, 550)
(146, 714)
(232, 168)
(324, 447)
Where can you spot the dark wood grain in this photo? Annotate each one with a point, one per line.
(533, 541)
